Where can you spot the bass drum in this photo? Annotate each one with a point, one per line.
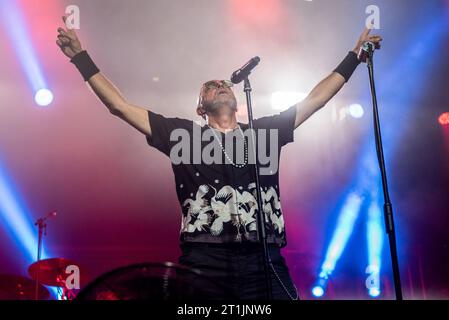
(153, 281)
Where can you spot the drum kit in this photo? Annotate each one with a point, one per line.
(155, 281)
(147, 281)
(49, 272)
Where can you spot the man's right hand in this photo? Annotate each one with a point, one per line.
(104, 89)
(68, 41)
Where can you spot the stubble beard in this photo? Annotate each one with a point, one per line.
(220, 104)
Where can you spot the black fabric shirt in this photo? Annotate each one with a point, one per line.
(218, 200)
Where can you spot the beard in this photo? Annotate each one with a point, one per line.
(220, 103)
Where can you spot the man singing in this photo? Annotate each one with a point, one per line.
(214, 173)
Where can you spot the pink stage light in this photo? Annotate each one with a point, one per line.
(444, 119)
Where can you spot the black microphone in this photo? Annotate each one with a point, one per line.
(366, 50)
(242, 73)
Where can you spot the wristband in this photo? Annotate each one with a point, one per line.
(348, 65)
(85, 65)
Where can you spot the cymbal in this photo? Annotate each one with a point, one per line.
(14, 287)
(52, 272)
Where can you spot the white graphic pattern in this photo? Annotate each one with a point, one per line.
(210, 210)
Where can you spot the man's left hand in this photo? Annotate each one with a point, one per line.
(366, 37)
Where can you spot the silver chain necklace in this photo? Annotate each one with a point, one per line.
(245, 144)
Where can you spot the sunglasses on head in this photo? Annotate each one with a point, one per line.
(215, 84)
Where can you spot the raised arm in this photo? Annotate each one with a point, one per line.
(105, 90)
(331, 85)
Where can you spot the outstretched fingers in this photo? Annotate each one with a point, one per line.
(64, 19)
(68, 32)
(366, 33)
(376, 39)
(62, 32)
(64, 40)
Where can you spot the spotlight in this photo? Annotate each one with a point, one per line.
(320, 285)
(375, 243)
(345, 225)
(444, 119)
(374, 292)
(15, 24)
(356, 110)
(317, 291)
(43, 97)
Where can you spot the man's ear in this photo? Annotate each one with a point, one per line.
(201, 112)
(199, 109)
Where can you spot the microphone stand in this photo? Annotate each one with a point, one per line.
(260, 217)
(388, 208)
(42, 226)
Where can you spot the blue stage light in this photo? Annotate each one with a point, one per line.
(374, 292)
(16, 218)
(17, 221)
(368, 177)
(356, 110)
(318, 291)
(345, 224)
(375, 237)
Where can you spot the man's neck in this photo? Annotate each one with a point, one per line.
(223, 122)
